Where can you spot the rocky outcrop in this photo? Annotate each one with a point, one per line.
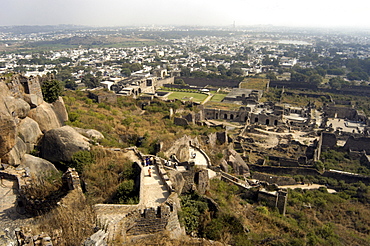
(97, 239)
(33, 100)
(177, 181)
(237, 163)
(8, 125)
(180, 121)
(17, 107)
(58, 145)
(180, 148)
(15, 155)
(29, 131)
(201, 180)
(8, 132)
(45, 116)
(60, 110)
(37, 167)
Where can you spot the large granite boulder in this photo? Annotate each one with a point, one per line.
(45, 116)
(29, 131)
(59, 145)
(37, 167)
(90, 133)
(17, 107)
(33, 100)
(177, 181)
(8, 126)
(181, 147)
(60, 110)
(8, 132)
(201, 180)
(15, 155)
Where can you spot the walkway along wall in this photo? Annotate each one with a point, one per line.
(132, 220)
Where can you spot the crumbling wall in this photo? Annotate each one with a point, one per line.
(276, 199)
(357, 144)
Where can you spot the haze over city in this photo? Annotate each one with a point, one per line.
(315, 13)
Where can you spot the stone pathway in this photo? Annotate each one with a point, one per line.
(154, 191)
(199, 159)
(10, 218)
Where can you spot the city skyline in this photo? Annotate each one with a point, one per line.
(178, 12)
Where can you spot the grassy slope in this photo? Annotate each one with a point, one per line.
(331, 220)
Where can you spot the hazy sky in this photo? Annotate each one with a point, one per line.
(322, 13)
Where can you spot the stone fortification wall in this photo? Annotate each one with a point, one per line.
(202, 82)
(284, 170)
(151, 220)
(240, 115)
(162, 82)
(292, 85)
(347, 177)
(357, 144)
(273, 179)
(187, 87)
(328, 140)
(132, 220)
(284, 162)
(274, 199)
(102, 96)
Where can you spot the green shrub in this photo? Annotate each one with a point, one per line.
(80, 160)
(126, 193)
(51, 90)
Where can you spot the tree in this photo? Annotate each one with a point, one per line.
(271, 76)
(185, 72)
(298, 77)
(315, 79)
(337, 82)
(136, 67)
(51, 90)
(126, 72)
(71, 84)
(179, 81)
(222, 69)
(90, 81)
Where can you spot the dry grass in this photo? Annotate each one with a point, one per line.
(254, 83)
(103, 177)
(70, 223)
(163, 239)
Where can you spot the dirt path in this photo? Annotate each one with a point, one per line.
(307, 187)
